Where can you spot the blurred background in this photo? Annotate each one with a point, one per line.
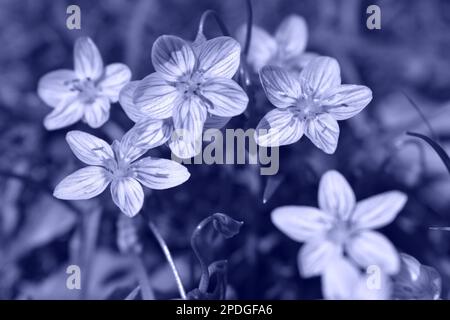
(40, 235)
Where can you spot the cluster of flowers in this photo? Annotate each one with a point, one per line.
(193, 88)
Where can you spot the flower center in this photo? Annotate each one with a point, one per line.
(339, 233)
(306, 108)
(118, 166)
(87, 89)
(191, 85)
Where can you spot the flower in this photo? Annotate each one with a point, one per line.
(285, 49)
(116, 164)
(85, 92)
(190, 83)
(341, 227)
(310, 102)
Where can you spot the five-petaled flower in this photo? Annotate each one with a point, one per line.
(285, 49)
(190, 83)
(308, 103)
(116, 164)
(84, 93)
(338, 237)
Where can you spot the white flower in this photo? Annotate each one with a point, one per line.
(116, 164)
(308, 103)
(84, 93)
(188, 85)
(341, 227)
(285, 49)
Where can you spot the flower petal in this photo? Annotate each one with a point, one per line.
(143, 136)
(88, 148)
(87, 59)
(372, 248)
(160, 174)
(225, 97)
(347, 100)
(116, 76)
(336, 197)
(126, 101)
(128, 195)
(279, 127)
(378, 211)
(292, 36)
(155, 97)
(54, 87)
(215, 122)
(301, 223)
(316, 255)
(323, 131)
(83, 184)
(65, 114)
(263, 46)
(172, 57)
(281, 86)
(97, 113)
(188, 119)
(340, 279)
(219, 57)
(320, 75)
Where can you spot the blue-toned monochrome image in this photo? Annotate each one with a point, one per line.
(224, 150)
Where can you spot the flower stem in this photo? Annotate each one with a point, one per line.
(169, 259)
(215, 15)
(204, 280)
(90, 223)
(144, 283)
(248, 34)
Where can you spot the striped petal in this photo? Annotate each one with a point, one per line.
(336, 197)
(97, 113)
(88, 148)
(219, 57)
(126, 101)
(263, 46)
(225, 97)
(369, 248)
(172, 57)
(347, 100)
(128, 195)
(320, 75)
(301, 223)
(316, 255)
(83, 184)
(292, 36)
(160, 174)
(323, 131)
(378, 211)
(281, 86)
(54, 87)
(155, 97)
(117, 75)
(65, 114)
(188, 119)
(279, 127)
(87, 59)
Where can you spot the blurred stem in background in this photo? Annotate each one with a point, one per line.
(89, 227)
(169, 258)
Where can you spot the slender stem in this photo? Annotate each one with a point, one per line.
(169, 259)
(215, 15)
(248, 35)
(204, 280)
(90, 223)
(144, 283)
